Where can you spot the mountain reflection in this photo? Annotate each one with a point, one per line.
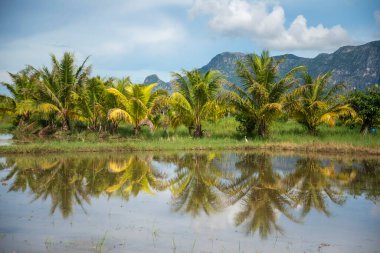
(199, 183)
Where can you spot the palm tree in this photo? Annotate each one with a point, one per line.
(262, 195)
(258, 100)
(92, 103)
(135, 102)
(21, 102)
(58, 86)
(196, 98)
(314, 103)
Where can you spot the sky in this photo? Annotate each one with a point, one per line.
(141, 37)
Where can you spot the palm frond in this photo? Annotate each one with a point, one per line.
(119, 96)
(117, 115)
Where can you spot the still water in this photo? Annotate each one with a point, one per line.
(189, 202)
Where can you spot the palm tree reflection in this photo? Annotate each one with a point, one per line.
(261, 194)
(61, 179)
(73, 181)
(198, 184)
(135, 175)
(364, 179)
(312, 184)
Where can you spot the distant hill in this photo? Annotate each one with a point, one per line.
(357, 66)
(161, 84)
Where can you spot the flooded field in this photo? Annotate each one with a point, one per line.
(5, 139)
(189, 202)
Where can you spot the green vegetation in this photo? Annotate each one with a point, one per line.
(220, 135)
(64, 109)
(57, 89)
(258, 101)
(197, 98)
(367, 104)
(314, 103)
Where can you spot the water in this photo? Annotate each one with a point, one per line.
(187, 202)
(5, 139)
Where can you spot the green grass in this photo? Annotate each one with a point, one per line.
(6, 127)
(219, 135)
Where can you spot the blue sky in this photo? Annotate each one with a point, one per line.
(141, 37)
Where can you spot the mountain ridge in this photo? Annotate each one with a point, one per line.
(356, 66)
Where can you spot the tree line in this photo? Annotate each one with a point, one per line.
(66, 98)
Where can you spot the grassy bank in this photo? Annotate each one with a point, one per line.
(221, 135)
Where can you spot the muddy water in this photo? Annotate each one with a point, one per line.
(187, 202)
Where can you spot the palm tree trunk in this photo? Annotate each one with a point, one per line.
(136, 129)
(65, 124)
(65, 120)
(312, 130)
(198, 133)
(263, 129)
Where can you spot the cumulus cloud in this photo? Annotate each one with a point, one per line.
(264, 22)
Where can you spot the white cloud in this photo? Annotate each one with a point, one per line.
(264, 22)
(141, 37)
(108, 44)
(376, 14)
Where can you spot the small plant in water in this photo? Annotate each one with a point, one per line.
(100, 244)
(174, 247)
(155, 234)
(192, 249)
(48, 243)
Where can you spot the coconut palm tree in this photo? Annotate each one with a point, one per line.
(21, 102)
(135, 102)
(197, 97)
(314, 103)
(258, 99)
(58, 86)
(91, 102)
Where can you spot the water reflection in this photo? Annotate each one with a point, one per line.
(6, 139)
(262, 195)
(311, 183)
(365, 178)
(199, 183)
(133, 175)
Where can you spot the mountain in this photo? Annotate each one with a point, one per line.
(357, 66)
(161, 84)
